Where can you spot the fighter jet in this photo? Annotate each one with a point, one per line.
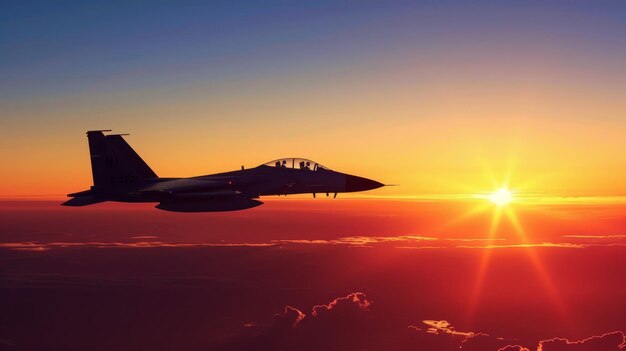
(119, 174)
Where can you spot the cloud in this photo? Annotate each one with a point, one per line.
(613, 341)
(482, 342)
(357, 298)
(360, 240)
(471, 341)
(24, 246)
(441, 335)
(615, 236)
(38, 246)
(426, 242)
(364, 240)
(339, 324)
(422, 340)
(442, 326)
(513, 348)
(351, 323)
(291, 316)
(542, 244)
(398, 242)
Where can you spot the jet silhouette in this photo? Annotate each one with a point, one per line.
(119, 174)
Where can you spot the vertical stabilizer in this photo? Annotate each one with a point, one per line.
(114, 163)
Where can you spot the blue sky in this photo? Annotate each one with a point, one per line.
(70, 47)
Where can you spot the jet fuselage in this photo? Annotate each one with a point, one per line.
(121, 175)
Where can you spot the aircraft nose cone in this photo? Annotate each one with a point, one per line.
(354, 183)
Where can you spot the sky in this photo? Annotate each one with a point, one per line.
(447, 100)
(440, 94)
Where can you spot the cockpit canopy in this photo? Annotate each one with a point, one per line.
(295, 163)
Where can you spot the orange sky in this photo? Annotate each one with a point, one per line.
(433, 105)
(452, 151)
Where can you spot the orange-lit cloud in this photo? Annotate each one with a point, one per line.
(399, 242)
(35, 246)
(442, 326)
(528, 245)
(612, 341)
(619, 236)
(357, 298)
(292, 314)
(513, 348)
(346, 322)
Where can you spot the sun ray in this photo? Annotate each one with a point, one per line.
(474, 210)
(484, 263)
(540, 269)
(503, 201)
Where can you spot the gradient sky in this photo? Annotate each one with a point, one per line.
(449, 99)
(434, 96)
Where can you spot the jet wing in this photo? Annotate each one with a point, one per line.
(184, 186)
(82, 201)
(214, 186)
(203, 194)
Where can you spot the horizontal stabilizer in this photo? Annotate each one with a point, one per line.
(82, 201)
(81, 193)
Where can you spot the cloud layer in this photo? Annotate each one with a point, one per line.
(351, 323)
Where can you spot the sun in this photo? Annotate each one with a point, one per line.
(501, 197)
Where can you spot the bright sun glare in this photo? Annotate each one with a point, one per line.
(501, 197)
